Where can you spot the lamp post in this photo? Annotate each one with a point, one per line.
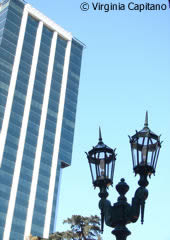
(145, 146)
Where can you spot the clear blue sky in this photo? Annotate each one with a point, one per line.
(125, 71)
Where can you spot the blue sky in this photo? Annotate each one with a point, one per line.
(125, 71)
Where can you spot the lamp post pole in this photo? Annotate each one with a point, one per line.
(145, 147)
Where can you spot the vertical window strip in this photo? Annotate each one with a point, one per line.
(57, 142)
(12, 85)
(57, 202)
(19, 155)
(40, 138)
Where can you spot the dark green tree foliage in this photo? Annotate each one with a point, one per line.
(82, 228)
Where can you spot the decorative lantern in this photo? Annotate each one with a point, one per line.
(145, 146)
(102, 162)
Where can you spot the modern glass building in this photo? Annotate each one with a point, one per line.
(39, 79)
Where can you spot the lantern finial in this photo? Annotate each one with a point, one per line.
(146, 119)
(100, 135)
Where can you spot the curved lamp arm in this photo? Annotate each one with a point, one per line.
(138, 204)
(105, 207)
(106, 212)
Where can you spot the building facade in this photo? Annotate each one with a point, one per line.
(39, 78)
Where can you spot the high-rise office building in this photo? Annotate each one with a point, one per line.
(39, 79)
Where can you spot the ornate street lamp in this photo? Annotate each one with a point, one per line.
(102, 162)
(145, 146)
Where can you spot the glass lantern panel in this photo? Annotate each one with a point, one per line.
(98, 171)
(112, 169)
(108, 154)
(141, 157)
(145, 141)
(102, 169)
(153, 157)
(156, 157)
(109, 172)
(101, 155)
(93, 170)
(134, 157)
(143, 160)
(141, 140)
(150, 158)
(108, 168)
(151, 151)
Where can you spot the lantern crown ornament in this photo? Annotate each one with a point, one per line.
(145, 147)
(102, 162)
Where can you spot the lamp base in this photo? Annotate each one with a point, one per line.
(121, 232)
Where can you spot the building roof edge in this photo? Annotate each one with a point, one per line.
(47, 21)
(80, 42)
